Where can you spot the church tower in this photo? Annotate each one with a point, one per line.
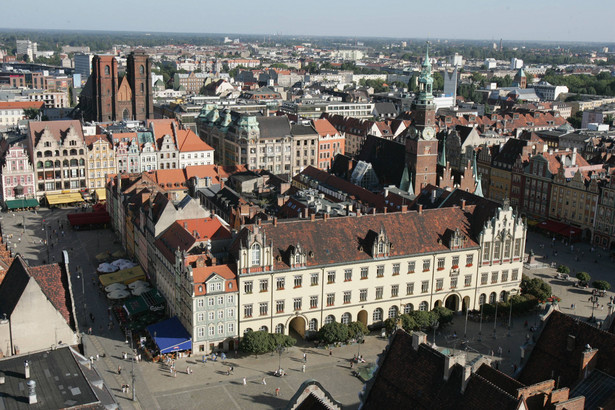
(421, 144)
(139, 75)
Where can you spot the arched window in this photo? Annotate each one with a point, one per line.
(81, 152)
(81, 161)
(393, 312)
(380, 247)
(346, 318)
(492, 297)
(39, 164)
(142, 88)
(329, 319)
(65, 152)
(313, 325)
(48, 154)
(408, 308)
(48, 164)
(73, 162)
(57, 163)
(377, 316)
(264, 329)
(482, 299)
(423, 306)
(107, 70)
(279, 329)
(141, 69)
(73, 152)
(503, 296)
(65, 163)
(256, 254)
(247, 330)
(39, 154)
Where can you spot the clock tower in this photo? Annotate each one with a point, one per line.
(422, 145)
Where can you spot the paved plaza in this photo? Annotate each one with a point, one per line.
(209, 386)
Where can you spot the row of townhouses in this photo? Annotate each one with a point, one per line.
(282, 276)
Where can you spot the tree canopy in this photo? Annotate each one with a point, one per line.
(536, 287)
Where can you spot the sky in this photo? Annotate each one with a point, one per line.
(541, 20)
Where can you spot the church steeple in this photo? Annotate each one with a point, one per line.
(425, 97)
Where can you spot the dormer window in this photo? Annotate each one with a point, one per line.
(380, 247)
(297, 259)
(256, 254)
(200, 288)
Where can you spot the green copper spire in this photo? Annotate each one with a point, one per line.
(478, 191)
(404, 184)
(425, 96)
(442, 160)
(474, 167)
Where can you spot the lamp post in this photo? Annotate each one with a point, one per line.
(465, 327)
(594, 300)
(360, 337)
(435, 325)
(480, 324)
(495, 318)
(280, 349)
(509, 317)
(80, 275)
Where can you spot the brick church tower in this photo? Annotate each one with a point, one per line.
(422, 145)
(107, 97)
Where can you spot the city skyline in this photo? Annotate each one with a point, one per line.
(523, 21)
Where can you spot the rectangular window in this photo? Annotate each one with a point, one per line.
(210, 301)
(455, 262)
(483, 278)
(426, 263)
(517, 247)
(469, 259)
(494, 277)
(200, 303)
(487, 251)
(279, 306)
(379, 271)
(497, 248)
(330, 299)
(379, 292)
(211, 315)
(199, 317)
(453, 283)
(515, 274)
(504, 276)
(439, 284)
(425, 286)
(247, 287)
(220, 300)
(440, 263)
(279, 283)
(394, 291)
(364, 272)
(221, 314)
(410, 288)
(231, 328)
(314, 279)
(298, 280)
(201, 332)
(363, 295)
(263, 308)
(468, 281)
(230, 299)
(411, 267)
(347, 295)
(396, 269)
(297, 303)
(331, 276)
(347, 275)
(507, 249)
(247, 310)
(313, 302)
(263, 285)
(230, 313)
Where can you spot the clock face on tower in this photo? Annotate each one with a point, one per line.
(428, 133)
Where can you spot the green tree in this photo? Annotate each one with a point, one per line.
(601, 285)
(583, 277)
(356, 329)
(563, 269)
(31, 113)
(423, 319)
(333, 332)
(536, 287)
(444, 315)
(278, 339)
(257, 342)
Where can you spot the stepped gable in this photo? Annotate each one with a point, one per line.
(347, 239)
(557, 356)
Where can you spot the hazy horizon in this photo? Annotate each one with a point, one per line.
(563, 21)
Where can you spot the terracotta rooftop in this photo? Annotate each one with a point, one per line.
(324, 127)
(188, 141)
(202, 274)
(7, 105)
(58, 129)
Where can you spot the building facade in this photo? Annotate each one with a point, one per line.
(101, 161)
(17, 175)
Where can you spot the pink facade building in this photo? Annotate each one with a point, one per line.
(17, 175)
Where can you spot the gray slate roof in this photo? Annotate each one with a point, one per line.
(274, 127)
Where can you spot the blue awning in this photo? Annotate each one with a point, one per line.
(170, 336)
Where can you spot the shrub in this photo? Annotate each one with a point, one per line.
(356, 328)
(444, 315)
(333, 332)
(563, 269)
(583, 277)
(536, 287)
(601, 285)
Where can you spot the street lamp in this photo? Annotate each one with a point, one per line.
(434, 325)
(480, 325)
(280, 349)
(360, 337)
(80, 275)
(495, 318)
(594, 300)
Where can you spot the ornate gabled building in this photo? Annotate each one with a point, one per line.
(290, 278)
(17, 180)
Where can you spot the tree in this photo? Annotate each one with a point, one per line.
(257, 342)
(536, 287)
(278, 339)
(583, 277)
(444, 315)
(333, 332)
(356, 329)
(601, 285)
(423, 319)
(31, 113)
(563, 269)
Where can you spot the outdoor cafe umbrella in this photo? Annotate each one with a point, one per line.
(138, 284)
(140, 290)
(106, 268)
(118, 294)
(115, 287)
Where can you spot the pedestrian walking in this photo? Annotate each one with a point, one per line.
(119, 370)
(264, 381)
(244, 381)
(303, 368)
(277, 391)
(330, 352)
(305, 357)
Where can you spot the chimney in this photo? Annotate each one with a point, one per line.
(570, 342)
(467, 372)
(574, 157)
(433, 196)
(463, 204)
(420, 209)
(589, 358)
(418, 338)
(325, 216)
(359, 211)
(384, 210)
(306, 212)
(450, 361)
(386, 192)
(26, 366)
(374, 211)
(32, 392)
(404, 208)
(275, 221)
(312, 217)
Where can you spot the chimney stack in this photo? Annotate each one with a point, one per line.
(312, 217)
(26, 366)
(404, 208)
(359, 211)
(418, 338)
(420, 209)
(384, 210)
(463, 204)
(275, 221)
(32, 392)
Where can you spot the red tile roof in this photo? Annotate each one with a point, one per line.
(21, 104)
(188, 141)
(201, 274)
(324, 127)
(58, 129)
(162, 127)
(53, 280)
(172, 179)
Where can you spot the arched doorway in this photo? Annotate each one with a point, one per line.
(452, 302)
(125, 115)
(297, 324)
(466, 303)
(437, 304)
(362, 317)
